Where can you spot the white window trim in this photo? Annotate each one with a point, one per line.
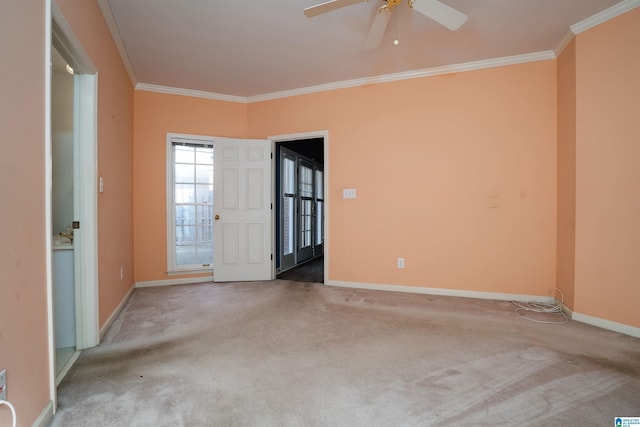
(171, 231)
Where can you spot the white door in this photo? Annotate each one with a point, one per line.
(242, 210)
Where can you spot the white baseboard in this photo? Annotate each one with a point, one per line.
(171, 282)
(115, 313)
(45, 416)
(567, 311)
(442, 292)
(578, 317)
(606, 324)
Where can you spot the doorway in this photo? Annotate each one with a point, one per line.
(62, 210)
(300, 209)
(77, 164)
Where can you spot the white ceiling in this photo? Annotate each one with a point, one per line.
(247, 48)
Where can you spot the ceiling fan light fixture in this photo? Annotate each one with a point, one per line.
(433, 9)
(391, 4)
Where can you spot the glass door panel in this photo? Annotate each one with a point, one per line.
(305, 211)
(288, 196)
(318, 219)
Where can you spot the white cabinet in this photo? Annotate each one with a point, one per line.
(64, 295)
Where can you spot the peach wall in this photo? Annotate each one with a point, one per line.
(115, 142)
(156, 115)
(607, 274)
(455, 173)
(565, 257)
(24, 348)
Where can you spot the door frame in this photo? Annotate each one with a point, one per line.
(324, 134)
(298, 254)
(58, 32)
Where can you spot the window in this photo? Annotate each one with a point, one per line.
(288, 204)
(306, 203)
(189, 203)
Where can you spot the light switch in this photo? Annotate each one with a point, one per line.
(348, 193)
(101, 185)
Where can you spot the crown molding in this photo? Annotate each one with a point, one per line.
(604, 16)
(192, 93)
(564, 42)
(447, 69)
(597, 19)
(429, 72)
(117, 39)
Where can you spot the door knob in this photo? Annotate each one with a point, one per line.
(217, 217)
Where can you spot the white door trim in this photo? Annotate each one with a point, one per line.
(48, 208)
(324, 134)
(59, 32)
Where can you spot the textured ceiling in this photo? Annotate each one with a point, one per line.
(248, 48)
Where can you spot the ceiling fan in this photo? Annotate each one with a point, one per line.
(433, 9)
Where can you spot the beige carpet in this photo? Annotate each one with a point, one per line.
(294, 354)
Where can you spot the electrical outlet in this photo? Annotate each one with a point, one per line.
(3, 384)
(349, 193)
(400, 262)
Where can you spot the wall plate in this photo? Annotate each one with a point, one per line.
(3, 384)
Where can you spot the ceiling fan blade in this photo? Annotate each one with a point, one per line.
(441, 13)
(378, 28)
(328, 6)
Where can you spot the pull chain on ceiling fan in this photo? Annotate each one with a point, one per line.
(433, 9)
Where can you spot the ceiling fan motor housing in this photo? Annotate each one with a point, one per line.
(392, 3)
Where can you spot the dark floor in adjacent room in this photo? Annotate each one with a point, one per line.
(310, 272)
